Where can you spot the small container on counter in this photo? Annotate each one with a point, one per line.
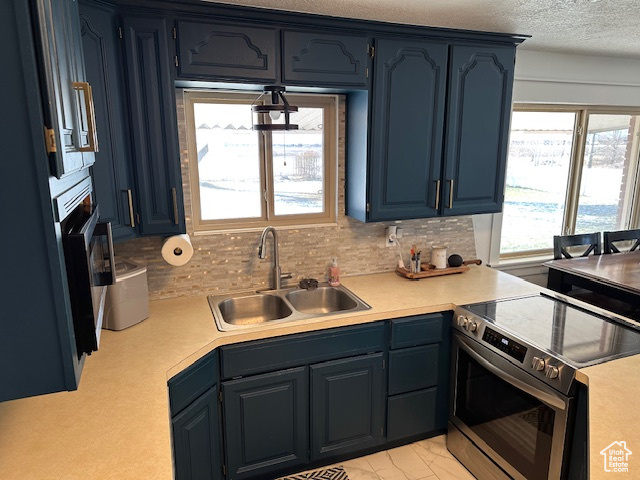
(439, 256)
(334, 273)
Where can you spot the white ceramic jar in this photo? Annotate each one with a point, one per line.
(439, 256)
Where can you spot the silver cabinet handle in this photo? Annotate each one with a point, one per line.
(174, 195)
(450, 193)
(132, 221)
(437, 194)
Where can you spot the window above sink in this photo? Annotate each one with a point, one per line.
(242, 178)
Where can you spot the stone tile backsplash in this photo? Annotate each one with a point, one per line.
(225, 262)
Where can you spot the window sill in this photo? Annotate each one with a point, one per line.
(524, 261)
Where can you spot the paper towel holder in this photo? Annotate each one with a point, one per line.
(177, 250)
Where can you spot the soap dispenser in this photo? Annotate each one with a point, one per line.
(334, 273)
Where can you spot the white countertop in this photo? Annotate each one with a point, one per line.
(117, 426)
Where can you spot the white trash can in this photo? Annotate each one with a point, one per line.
(127, 300)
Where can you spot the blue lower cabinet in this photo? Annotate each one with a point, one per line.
(413, 368)
(411, 414)
(196, 440)
(266, 423)
(418, 404)
(347, 405)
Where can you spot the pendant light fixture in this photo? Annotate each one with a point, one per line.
(274, 111)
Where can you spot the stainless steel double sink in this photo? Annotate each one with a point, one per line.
(287, 305)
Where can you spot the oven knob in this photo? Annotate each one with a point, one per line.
(463, 321)
(472, 326)
(551, 372)
(538, 364)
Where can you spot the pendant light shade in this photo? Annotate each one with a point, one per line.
(279, 105)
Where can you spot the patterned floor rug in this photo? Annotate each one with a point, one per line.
(334, 473)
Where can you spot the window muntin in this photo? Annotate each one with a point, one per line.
(242, 178)
(561, 181)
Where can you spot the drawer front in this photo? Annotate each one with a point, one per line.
(189, 384)
(411, 414)
(413, 368)
(294, 350)
(419, 330)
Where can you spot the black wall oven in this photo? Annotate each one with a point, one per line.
(89, 258)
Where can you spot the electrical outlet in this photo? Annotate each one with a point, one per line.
(392, 236)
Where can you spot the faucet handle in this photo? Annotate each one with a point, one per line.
(286, 276)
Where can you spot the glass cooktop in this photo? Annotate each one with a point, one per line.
(579, 337)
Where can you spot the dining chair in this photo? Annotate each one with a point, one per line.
(591, 241)
(621, 236)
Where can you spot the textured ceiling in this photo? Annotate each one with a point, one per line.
(590, 27)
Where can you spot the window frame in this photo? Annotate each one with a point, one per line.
(576, 163)
(329, 104)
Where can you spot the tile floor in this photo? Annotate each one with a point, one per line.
(427, 459)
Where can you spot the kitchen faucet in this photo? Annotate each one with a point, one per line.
(278, 276)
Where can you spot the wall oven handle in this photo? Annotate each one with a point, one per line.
(108, 278)
(546, 397)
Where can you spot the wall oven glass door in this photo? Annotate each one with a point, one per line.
(521, 425)
(88, 247)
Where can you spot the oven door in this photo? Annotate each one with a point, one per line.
(512, 417)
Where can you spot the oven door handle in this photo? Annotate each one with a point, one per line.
(555, 401)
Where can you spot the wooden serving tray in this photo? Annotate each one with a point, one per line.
(428, 271)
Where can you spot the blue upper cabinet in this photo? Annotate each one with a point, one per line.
(69, 119)
(217, 51)
(407, 128)
(437, 126)
(324, 59)
(154, 130)
(113, 179)
(480, 84)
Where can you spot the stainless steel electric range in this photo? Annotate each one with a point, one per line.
(513, 396)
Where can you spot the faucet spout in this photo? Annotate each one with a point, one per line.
(277, 272)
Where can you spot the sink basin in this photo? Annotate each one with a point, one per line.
(245, 310)
(253, 309)
(321, 301)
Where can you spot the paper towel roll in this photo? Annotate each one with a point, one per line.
(177, 250)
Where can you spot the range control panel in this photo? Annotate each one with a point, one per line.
(507, 345)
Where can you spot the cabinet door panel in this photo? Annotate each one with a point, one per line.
(154, 132)
(219, 51)
(481, 80)
(347, 405)
(324, 59)
(412, 414)
(266, 422)
(111, 173)
(196, 439)
(64, 65)
(408, 113)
